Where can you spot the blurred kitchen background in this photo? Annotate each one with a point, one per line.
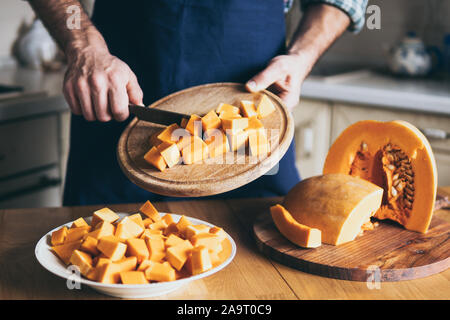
(400, 71)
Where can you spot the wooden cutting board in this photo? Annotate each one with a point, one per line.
(387, 253)
(213, 176)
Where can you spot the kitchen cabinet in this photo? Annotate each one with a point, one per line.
(341, 115)
(31, 166)
(312, 119)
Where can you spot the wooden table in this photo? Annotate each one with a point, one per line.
(249, 276)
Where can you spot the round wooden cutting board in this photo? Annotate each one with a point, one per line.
(387, 253)
(213, 176)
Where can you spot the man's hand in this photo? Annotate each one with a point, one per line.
(320, 26)
(283, 76)
(99, 86)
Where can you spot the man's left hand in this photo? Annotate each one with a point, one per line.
(283, 76)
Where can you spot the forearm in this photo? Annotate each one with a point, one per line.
(54, 15)
(320, 26)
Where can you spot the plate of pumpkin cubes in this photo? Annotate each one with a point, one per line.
(228, 137)
(135, 255)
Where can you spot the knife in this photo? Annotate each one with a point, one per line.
(157, 115)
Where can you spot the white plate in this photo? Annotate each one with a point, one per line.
(52, 263)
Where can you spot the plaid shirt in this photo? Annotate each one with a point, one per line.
(355, 9)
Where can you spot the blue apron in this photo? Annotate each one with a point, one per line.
(172, 45)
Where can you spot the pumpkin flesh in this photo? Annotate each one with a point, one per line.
(395, 156)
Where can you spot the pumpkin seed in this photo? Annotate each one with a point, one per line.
(394, 192)
(364, 146)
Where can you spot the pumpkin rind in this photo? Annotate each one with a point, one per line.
(295, 232)
(370, 138)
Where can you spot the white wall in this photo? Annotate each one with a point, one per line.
(428, 18)
(12, 14)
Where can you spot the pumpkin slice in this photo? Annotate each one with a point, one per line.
(336, 204)
(295, 232)
(395, 156)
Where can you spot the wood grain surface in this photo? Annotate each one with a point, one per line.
(212, 176)
(388, 252)
(251, 275)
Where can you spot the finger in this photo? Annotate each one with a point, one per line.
(99, 95)
(290, 99)
(69, 94)
(134, 91)
(118, 101)
(273, 73)
(82, 93)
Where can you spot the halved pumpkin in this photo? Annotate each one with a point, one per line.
(396, 156)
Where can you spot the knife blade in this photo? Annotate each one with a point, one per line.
(158, 116)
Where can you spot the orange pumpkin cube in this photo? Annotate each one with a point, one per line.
(182, 224)
(194, 125)
(159, 225)
(102, 229)
(228, 115)
(104, 214)
(178, 254)
(144, 265)
(170, 153)
(237, 140)
(173, 240)
(217, 142)
(254, 124)
(160, 272)
(156, 249)
(234, 125)
(110, 272)
(209, 240)
(199, 261)
(138, 249)
(193, 230)
(150, 211)
(248, 108)
(64, 251)
(155, 158)
(167, 134)
(218, 232)
(228, 108)
(127, 229)
(196, 151)
(211, 121)
(168, 218)
(80, 222)
(133, 277)
(258, 143)
(59, 236)
(74, 234)
(82, 260)
(89, 245)
(265, 107)
(111, 247)
(138, 219)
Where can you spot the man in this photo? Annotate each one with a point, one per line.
(161, 46)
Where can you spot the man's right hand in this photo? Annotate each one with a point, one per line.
(99, 86)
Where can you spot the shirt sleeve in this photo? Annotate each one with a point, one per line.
(355, 9)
